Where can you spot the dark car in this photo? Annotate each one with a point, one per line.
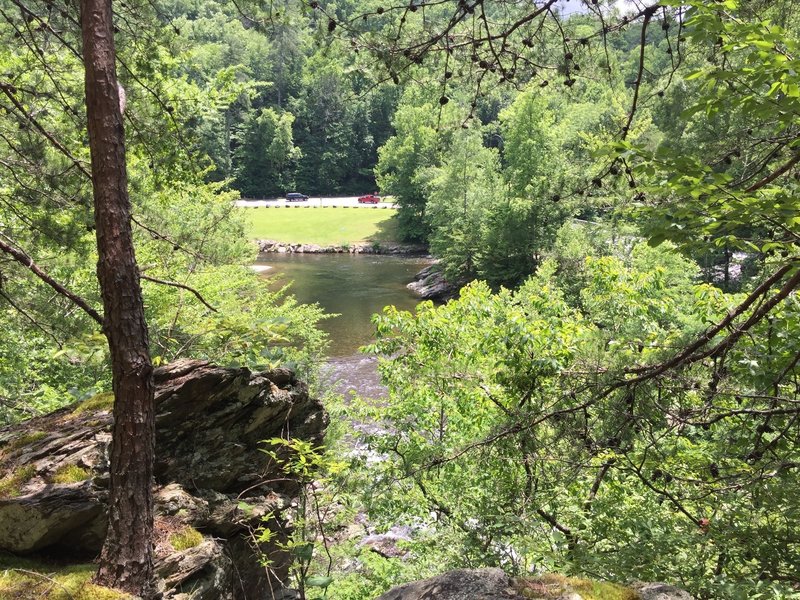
(369, 199)
(295, 197)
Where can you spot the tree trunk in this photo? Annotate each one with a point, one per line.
(126, 561)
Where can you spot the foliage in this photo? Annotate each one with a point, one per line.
(611, 415)
(303, 535)
(402, 161)
(461, 192)
(266, 156)
(743, 119)
(187, 231)
(251, 325)
(506, 438)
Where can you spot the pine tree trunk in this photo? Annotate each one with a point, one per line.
(126, 561)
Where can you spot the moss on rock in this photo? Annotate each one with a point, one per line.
(558, 586)
(185, 538)
(101, 401)
(10, 484)
(70, 474)
(26, 579)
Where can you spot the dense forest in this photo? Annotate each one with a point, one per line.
(613, 185)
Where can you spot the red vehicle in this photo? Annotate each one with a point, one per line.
(369, 199)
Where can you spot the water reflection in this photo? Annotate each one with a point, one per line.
(354, 286)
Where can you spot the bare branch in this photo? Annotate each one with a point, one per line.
(710, 333)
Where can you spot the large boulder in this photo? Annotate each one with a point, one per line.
(494, 584)
(210, 424)
(461, 584)
(660, 591)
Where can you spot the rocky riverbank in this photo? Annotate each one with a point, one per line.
(385, 248)
(431, 284)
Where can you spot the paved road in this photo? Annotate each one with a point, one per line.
(314, 202)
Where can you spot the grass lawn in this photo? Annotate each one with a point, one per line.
(326, 226)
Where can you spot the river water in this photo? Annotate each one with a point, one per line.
(355, 286)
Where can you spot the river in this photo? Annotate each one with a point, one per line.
(354, 286)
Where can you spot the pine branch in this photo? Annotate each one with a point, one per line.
(27, 262)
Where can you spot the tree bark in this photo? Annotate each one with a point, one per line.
(126, 561)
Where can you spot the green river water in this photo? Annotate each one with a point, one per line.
(355, 287)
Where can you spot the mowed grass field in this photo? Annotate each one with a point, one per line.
(326, 226)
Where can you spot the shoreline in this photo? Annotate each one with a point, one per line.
(385, 248)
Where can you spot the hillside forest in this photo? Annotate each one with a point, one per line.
(613, 186)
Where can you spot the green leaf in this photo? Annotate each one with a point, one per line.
(304, 552)
(319, 581)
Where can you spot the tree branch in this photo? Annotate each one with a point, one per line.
(7, 89)
(775, 174)
(26, 261)
(648, 14)
(25, 314)
(181, 286)
(655, 370)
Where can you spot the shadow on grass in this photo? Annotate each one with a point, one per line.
(387, 231)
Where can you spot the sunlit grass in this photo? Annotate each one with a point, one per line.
(323, 226)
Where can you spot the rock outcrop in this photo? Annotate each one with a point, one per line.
(430, 284)
(210, 425)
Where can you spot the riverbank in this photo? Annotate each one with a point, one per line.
(384, 248)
